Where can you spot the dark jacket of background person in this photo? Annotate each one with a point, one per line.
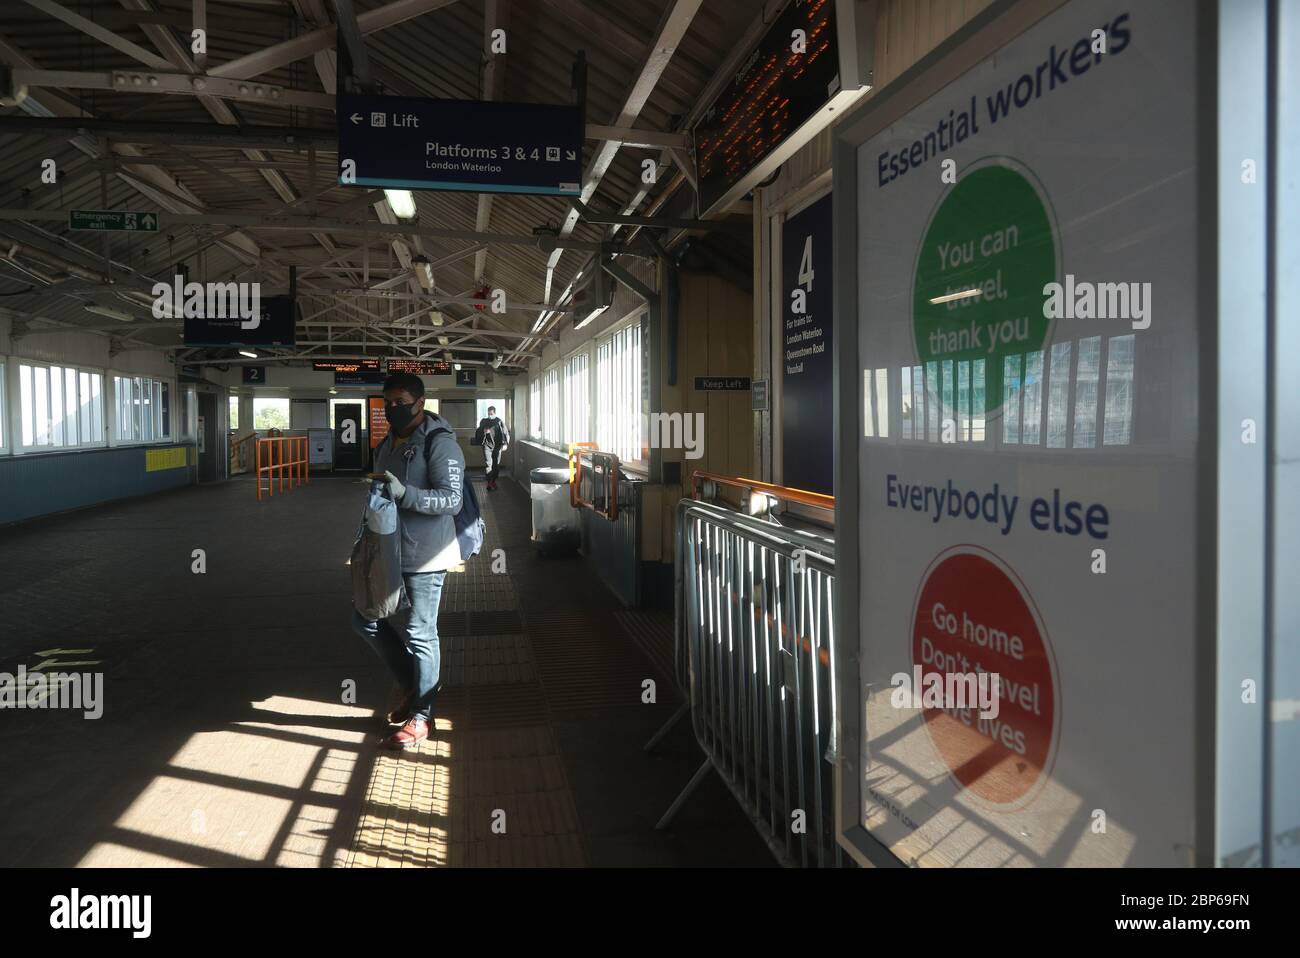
(495, 434)
(432, 497)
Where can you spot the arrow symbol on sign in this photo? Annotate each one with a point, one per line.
(570, 155)
(46, 653)
(147, 221)
(355, 118)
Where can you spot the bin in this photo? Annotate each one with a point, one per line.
(555, 521)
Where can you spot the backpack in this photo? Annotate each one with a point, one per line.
(470, 527)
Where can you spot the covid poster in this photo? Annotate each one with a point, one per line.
(807, 375)
(1027, 336)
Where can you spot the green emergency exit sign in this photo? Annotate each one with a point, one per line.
(129, 220)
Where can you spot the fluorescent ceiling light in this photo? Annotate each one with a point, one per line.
(110, 312)
(248, 353)
(458, 367)
(402, 203)
(961, 294)
(423, 272)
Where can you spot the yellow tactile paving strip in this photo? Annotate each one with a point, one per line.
(465, 799)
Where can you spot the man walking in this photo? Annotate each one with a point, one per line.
(496, 439)
(425, 479)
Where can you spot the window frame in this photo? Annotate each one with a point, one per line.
(11, 407)
(552, 378)
(605, 442)
(581, 355)
(162, 429)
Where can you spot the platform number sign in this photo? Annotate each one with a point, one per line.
(807, 410)
(799, 295)
(255, 375)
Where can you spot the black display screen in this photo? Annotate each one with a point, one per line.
(775, 91)
(421, 367)
(346, 365)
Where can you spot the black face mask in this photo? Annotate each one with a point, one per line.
(399, 417)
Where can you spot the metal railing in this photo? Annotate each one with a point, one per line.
(593, 480)
(241, 453)
(285, 457)
(755, 656)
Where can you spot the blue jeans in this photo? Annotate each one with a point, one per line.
(408, 642)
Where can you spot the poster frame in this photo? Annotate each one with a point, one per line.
(985, 34)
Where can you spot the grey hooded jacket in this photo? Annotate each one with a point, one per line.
(432, 497)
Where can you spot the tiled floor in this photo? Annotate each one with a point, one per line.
(239, 719)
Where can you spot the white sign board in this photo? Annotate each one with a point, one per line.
(320, 447)
(1027, 332)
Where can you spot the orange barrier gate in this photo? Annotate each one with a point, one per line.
(603, 463)
(282, 456)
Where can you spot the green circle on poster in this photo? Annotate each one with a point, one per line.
(978, 296)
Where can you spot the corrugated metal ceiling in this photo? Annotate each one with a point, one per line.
(440, 53)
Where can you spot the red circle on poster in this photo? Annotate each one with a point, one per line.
(972, 615)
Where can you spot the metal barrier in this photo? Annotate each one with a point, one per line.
(755, 651)
(594, 481)
(285, 457)
(241, 453)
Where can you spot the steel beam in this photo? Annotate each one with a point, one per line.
(280, 54)
(92, 29)
(260, 220)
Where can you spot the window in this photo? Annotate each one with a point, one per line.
(551, 405)
(535, 409)
(142, 409)
(618, 393)
(577, 413)
(4, 414)
(482, 404)
(1095, 382)
(270, 413)
(60, 407)
(234, 413)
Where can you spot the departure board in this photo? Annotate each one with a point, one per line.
(346, 365)
(784, 81)
(421, 367)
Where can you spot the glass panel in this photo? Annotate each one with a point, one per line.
(1085, 393)
(1011, 389)
(26, 410)
(918, 403)
(41, 391)
(882, 402)
(1031, 434)
(83, 411)
(868, 413)
(97, 407)
(56, 406)
(1118, 423)
(932, 399)
(905, 402)
(70, 409)
(1058, 397)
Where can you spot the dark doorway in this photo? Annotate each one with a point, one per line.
(347, 437)
(211, 432)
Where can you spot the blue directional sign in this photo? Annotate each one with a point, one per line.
(475, 145)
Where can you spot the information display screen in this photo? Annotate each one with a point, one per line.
(781, 84)
(421, 367)
(346, 365)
